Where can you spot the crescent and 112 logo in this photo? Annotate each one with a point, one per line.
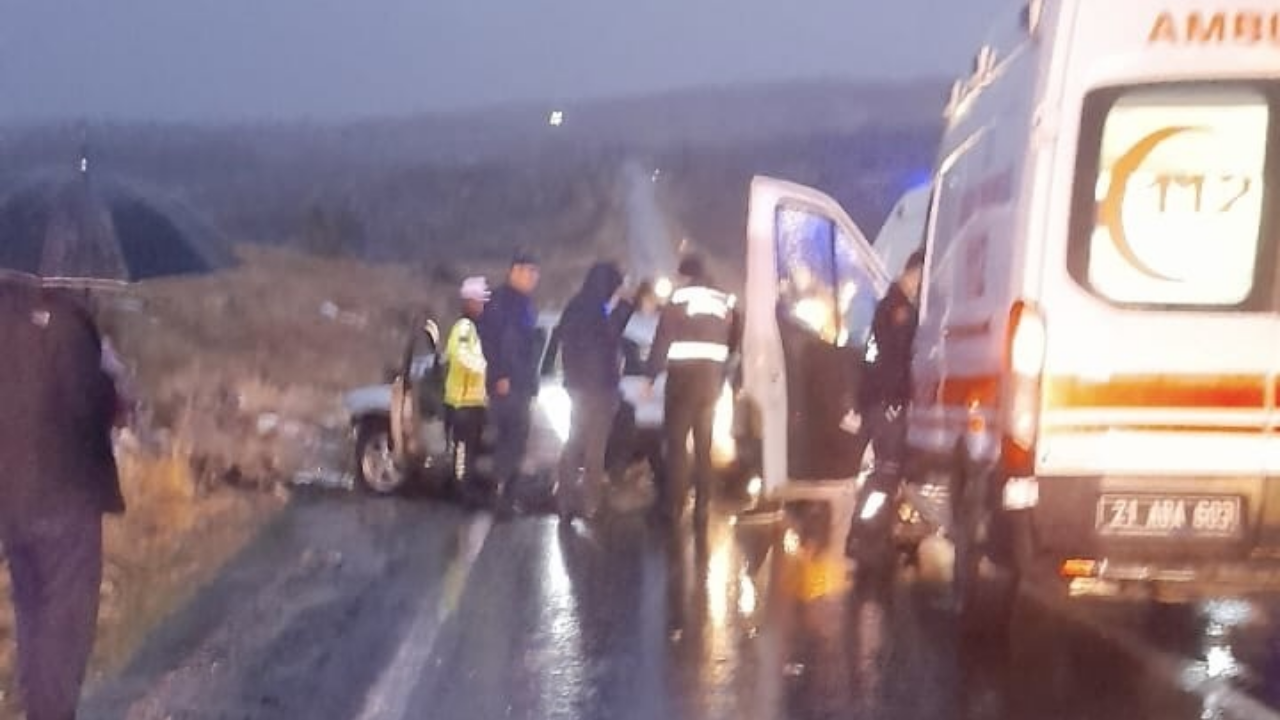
(1179, 198)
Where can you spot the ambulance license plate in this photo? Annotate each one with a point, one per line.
(1156, 516)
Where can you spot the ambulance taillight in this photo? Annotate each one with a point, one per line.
(1025, 360)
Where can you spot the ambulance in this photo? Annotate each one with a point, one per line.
(1096, 368)
(903, 231)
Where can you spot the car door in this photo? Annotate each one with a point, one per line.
(813, 282)
(417, 394)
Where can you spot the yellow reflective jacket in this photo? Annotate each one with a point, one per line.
(464, 384)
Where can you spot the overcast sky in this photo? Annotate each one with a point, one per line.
(218, 60)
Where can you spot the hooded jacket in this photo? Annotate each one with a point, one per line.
(589, 335)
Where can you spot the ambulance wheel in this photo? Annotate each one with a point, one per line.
(376, 468)
(983, 604)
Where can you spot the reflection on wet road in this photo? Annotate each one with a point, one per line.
(435, 613)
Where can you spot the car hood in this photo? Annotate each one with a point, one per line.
(367, 400)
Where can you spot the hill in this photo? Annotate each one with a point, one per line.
(444, 191)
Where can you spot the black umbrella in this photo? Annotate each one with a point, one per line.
(74, 234)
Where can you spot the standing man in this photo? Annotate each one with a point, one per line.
(883, 397)
(509, 336)
(699, 328)
(465, 396)
(58, 478)
(589, 338)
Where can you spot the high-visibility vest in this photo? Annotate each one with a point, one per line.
(699, 324)
(464, 384)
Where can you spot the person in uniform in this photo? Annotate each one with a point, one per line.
(883, 397)
(464, 386)
(58, 404)
(698, 330)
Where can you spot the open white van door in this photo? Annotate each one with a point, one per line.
(813, 282)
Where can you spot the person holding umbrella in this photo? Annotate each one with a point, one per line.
(58, 405)
(60, 398)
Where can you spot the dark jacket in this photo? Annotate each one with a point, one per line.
(509, 335)
(589, 335)
(56, 407)
(888, 377)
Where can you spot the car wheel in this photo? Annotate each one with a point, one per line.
(376, 466)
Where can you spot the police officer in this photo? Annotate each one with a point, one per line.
(697, 331)
(465, 397)
(883, 396)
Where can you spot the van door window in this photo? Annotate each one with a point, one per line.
(1170, 198)
(825, 301)
(806, 272)
(856, 295)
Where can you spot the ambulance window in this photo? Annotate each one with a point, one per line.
(806, 271)
(1172, 214)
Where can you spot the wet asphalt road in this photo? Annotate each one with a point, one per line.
(352, 608)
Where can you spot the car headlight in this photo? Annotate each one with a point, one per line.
(555, 404)
(723, 447)
(662, 287)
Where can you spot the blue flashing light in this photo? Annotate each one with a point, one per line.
(917, 179)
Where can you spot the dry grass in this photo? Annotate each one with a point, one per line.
(283, 335)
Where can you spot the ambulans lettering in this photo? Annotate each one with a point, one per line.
(1243, 27)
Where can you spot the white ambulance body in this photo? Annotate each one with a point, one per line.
(903, 231)
(1096, 365)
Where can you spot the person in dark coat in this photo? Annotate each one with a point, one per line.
(58, 478)
(509, 337)
(883, 400)
(589, 338)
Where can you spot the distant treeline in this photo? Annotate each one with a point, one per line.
(452, 193)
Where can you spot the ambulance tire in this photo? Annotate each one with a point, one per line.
(983, 604)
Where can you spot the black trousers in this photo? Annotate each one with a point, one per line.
(509, 416)
(466, 432)
(55, 564)
(631, 444)
(885, 428)
(689, 410)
